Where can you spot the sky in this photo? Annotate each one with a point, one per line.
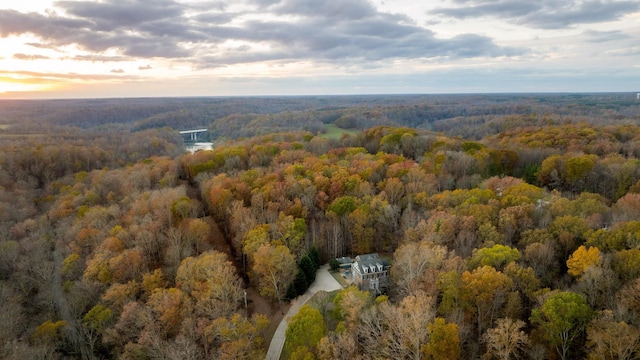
(152, 48)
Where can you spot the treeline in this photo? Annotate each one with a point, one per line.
(470, 116)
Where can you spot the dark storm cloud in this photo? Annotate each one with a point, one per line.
(545, 14)
(289, 30)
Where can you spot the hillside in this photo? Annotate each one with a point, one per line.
(512, 233)
(471, 116)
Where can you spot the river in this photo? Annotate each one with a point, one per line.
(193, 147)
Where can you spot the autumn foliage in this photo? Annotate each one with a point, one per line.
(511, 234)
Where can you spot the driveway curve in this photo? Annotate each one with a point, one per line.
(324, 281)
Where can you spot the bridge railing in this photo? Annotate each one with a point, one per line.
(193, 134)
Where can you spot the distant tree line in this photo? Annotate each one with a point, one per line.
(470, 116)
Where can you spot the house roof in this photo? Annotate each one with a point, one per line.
(371, 262)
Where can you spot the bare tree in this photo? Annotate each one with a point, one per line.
(414, 266)
(506, 340)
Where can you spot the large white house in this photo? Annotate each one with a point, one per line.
(370, 272)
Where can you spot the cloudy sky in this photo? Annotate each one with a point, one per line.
(131, 48)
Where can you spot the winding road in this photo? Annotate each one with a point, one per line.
(324, 281)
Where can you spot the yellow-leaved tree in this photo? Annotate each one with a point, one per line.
(582, 258)
(274, 268)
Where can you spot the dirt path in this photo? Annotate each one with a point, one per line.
(256, 304)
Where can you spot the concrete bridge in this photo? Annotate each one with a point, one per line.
(193, 134)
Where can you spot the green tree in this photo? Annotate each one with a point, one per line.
(444, 342)
(563, 317)
(343, 205)
(577, 167)
(309, 269)
(496, 256)
(450, 285)
(607, 240)
(301, 353)
(299, 286)
(334, 264)
(521, 194)
(254, 239)
(570, 231)
(291, 231)
(524, 281)
(626, 264)
(94, 323)
(305, 329)
(314, 255)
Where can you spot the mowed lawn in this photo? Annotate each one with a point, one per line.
(334, 132)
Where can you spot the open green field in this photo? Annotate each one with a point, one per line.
(334, 132)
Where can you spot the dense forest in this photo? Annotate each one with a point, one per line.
(512, 223)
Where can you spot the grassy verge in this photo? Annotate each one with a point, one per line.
(338, 276)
